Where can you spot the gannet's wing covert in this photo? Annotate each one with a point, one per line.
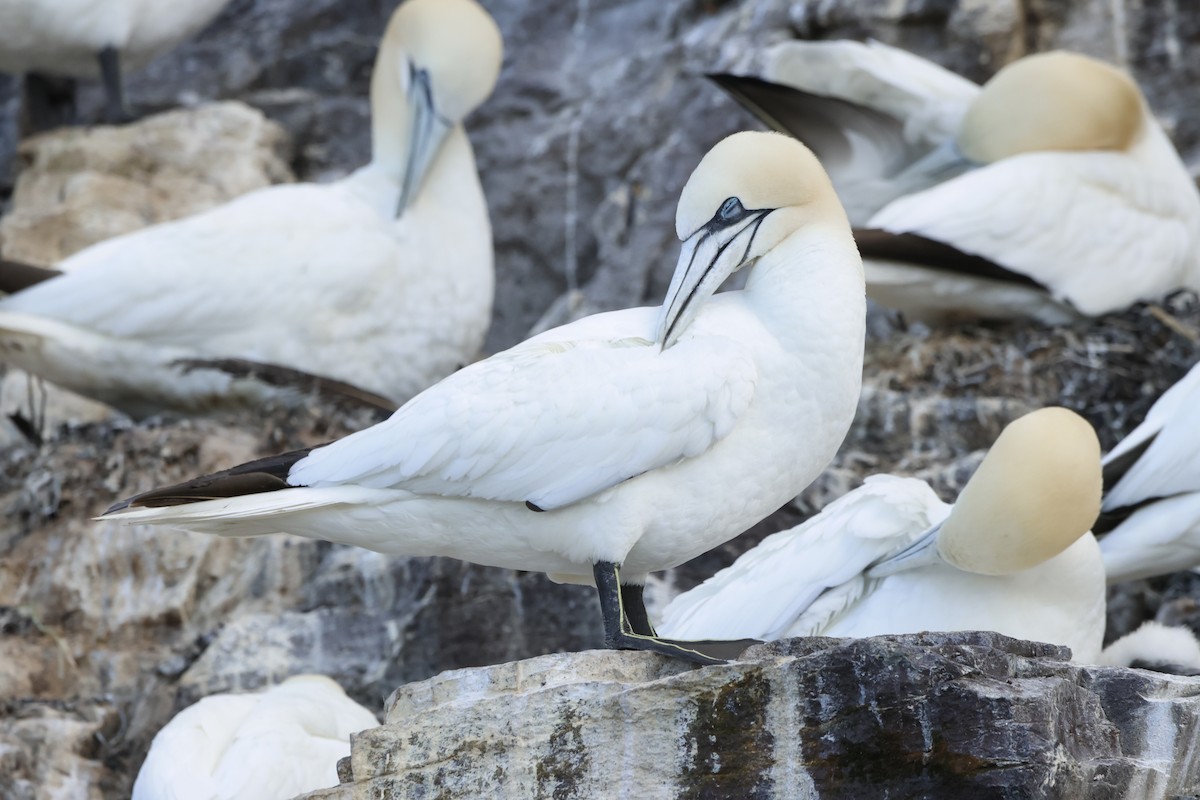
(796, 580)
(549, 422)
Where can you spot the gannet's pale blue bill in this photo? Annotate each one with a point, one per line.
(426, 133)
(921, 553)
(706, 259)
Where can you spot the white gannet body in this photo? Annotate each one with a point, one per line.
(268, 745)
(64, 37)
(1050, 192)
(635, 439)
(1156, 647)
(382, 280)
(1151, 519)
(1013, 555)
(95, 38)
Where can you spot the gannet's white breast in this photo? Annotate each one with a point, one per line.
(319, 278)
(63, 37)
(274, 744)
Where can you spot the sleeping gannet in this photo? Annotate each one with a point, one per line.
(1013, 555)
(268, 745)
(382, 280)
(1156, 647)
(1150, 520)
(96, 38)
(1050, 192)
(619, 444)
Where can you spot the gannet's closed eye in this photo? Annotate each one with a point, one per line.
(1052, 101)
(748, 194)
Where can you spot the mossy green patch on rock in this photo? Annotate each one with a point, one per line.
(560, 773)
(729, 750)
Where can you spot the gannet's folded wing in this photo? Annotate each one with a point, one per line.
(223, 273)
(549, 422)
(929, 100)
(1097, 209)
(818, 563)
(1158, 458)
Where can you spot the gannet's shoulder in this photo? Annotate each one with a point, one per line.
(795, 580)
(1148, 231)
(552, 420)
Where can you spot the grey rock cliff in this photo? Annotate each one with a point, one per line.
(933, 715)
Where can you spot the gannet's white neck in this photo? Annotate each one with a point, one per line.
(811, 281)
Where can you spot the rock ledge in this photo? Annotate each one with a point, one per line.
(931, 715)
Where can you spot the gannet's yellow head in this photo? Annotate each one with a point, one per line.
(749, 193)
(1036, 492)
(439, 59)
(1052, 101)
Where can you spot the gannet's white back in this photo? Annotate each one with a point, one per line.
(269, 745)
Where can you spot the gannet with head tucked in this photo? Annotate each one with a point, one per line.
(1150, 523)
(1013, 555)
(267, 745)
(1156, 647)
(623, 443)
(382, 280)
(96, 38)
(1051, 192)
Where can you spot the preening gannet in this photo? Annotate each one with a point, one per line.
(96, 38)
(623, 443)
(1013, 555)
(1050, 192)
(1150, 523)
(382, 280)
(268, 745)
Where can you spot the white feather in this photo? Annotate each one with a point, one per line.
(325, 279)
(63, 37)
(274, 744)
(1163, 534)
(811, 581)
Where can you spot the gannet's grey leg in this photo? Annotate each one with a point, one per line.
(621, 634)
(115, 111)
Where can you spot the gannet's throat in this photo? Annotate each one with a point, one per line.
(427, 131)
(706, 259)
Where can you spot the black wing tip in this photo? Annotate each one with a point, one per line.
(119, 506)
(254, 477)
(17, 276)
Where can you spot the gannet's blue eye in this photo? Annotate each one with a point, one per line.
(731, 210)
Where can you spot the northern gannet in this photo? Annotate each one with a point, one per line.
(268, 745)
(382, 280)
(622, 443)
(1156, 647)
(1050, 192)
(1150, 523)
(1013, 555)
(96, 38)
